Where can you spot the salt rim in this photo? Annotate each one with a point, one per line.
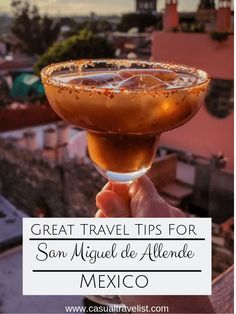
(120, 64)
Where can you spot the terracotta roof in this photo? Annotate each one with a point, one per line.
(13, 64)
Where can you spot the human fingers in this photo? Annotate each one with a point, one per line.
(145, 201)
(112, 204)
(100, 214)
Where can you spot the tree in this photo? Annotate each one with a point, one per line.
(104, 26)
(140, 20)
(34, 33)
(83, 45)
(97, 26)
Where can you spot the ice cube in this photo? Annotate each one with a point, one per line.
(96, 79)
(126, 73)
(163, 74)
(141, 81)
(183, 80)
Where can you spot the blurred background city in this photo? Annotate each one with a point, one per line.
(45, 170)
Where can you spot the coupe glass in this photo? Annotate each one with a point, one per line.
(124, 108)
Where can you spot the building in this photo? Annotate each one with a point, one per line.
(171, 17)
(205, 145)
(206, 5)
(211, 130)
(146, 6)
(132, 43)
(223, 20)
(206, 14)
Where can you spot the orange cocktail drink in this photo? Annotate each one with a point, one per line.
(125, 106)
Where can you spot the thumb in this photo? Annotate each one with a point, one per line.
(145, 200)
(111, 204)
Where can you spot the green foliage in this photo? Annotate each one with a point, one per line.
(140, 20)
(34, 33)
(83, 45)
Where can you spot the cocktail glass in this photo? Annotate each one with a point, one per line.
(124, 106)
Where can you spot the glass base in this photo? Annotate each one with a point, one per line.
(121, 176)
(111, 301)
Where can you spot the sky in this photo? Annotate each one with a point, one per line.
(84, 7)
